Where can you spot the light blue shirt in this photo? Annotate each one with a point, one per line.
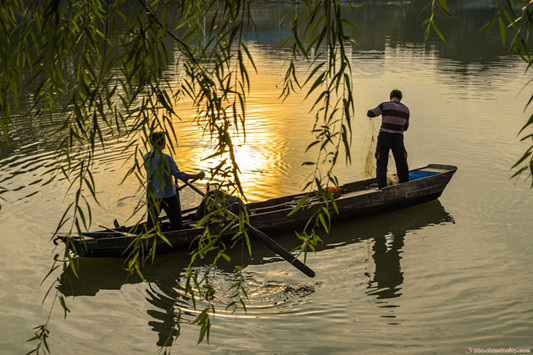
(160, 168)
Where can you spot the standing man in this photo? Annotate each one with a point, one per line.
(161, 190)
(395, 120)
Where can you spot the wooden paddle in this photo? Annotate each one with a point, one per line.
(278, 249)
(182, 186)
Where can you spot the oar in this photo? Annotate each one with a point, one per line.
(182, 186)
(278, 249)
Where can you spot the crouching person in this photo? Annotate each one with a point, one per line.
(216, 198)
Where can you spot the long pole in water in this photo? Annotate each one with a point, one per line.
(269, 242)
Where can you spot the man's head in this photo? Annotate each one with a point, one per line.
(396, 94)
(157, 139)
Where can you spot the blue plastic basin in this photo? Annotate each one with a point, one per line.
(420, 174)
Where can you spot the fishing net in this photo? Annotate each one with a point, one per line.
(370, 160)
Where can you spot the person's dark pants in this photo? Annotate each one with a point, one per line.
(171, 206)
(394, 142)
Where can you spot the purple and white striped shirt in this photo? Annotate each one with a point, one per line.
(395, 116)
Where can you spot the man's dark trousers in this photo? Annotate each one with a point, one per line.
(394, 142)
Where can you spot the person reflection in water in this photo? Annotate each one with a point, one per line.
(388, 275)
(394, 121)
(161, 190)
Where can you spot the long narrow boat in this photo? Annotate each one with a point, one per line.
(358, 199)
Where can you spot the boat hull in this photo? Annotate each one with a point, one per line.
(359, 199)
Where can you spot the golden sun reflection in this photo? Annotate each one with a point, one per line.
(271, 153)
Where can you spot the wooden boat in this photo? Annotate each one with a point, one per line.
(87, 280)
(358, 199)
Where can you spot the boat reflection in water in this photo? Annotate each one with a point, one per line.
(385, 235)
(164, 293)
(389, 242)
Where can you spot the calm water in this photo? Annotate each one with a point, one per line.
(436, 278)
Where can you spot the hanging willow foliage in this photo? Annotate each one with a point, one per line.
(517, 16)
(101, 66)
(96, 68)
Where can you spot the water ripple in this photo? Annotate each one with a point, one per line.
(265, 299)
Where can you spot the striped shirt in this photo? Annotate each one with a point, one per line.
(395, 116)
